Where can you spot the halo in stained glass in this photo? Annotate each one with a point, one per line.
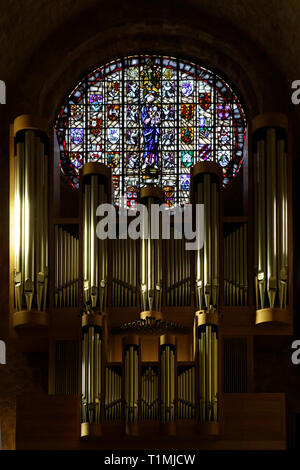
(151, 118)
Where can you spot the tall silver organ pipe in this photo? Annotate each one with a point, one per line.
(131, 378)
(96, 190)
(206, 185)
(167, 357)
(30, 215)
(208, 372)
(151, 258)
(91, 377)
(270, 189)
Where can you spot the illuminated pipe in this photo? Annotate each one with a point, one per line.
(271, 217)
(151, 258)
(206, 179)
(95, 186)
(270, 132)
(282, 225)
(208, 372)
(30, 216)
(91, 363)
(167, 379)
(131, 366)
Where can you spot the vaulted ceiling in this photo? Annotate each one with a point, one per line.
(42, 38)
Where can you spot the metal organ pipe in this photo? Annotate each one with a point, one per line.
(167, 383)
(66, 271)
(95, 182)
(206, 182)
(91, 382)
(271, 219)
(236, 261)
(151, 258)
(30, 214)
(208, 371)
(131, 398)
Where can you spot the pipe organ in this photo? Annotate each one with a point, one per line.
(127, 289)
(151, 258)
(208, 369)
(186, 403)
(131, 388)
(206, 179)
(167, 382)
(270, 201)
(92, 375)
(30, 199)
(95, 191)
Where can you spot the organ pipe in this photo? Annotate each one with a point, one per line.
(208, 372)
(149, 395)
(186, 393)
(178, 272)
(236, 267)
(206, 185)
(167, 357)
(151, 258)
(66, 273)
(91, 383)
(113, 396)
(30, 194)
(131, 397)
(124, 273)
(271, 219)
(95, 182)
